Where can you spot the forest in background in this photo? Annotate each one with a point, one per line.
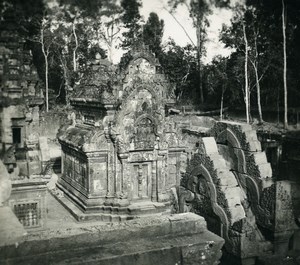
(262, 72)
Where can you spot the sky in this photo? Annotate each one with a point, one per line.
(173, 30)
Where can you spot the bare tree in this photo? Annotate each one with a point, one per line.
(198, 11)
(247, 92)
(46, 42)
(284, 64)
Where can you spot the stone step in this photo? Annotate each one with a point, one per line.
(219, 162)
(109, 213)
(181, 238)
(210, 145)
(265, 170)
(251, 135)
(233, 193)
(237, 213)
(226, 178)
(254, 146)
(260, 158)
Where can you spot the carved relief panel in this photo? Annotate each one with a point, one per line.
(75, 169)
(141, 181)
(144, 134)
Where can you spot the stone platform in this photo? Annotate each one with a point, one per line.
(108, 213)
(175, 239)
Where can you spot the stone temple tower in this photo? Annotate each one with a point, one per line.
(121, 156)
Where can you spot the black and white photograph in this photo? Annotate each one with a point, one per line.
(150, 132)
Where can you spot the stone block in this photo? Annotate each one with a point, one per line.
(251, 135)
(234, 193)
(43, 144)
(226, 178)
(237, 213)
(218, 161)
(265, 170)
(5, 184)
(32, 155)
(34, 167)
(11, 230)
(284, 219)
(23, 166)
(210, 145)
(260, 158)
(254, 146)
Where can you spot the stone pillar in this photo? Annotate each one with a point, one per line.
(121, 195)
(125, 174)
(110, 174)
(154, 181)
(140, 180)
(62, 161)
(284, 218)
(161, 176)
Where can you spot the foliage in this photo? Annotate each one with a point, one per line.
(217, 79)
(180, 64)
(263, 27)
(199, 11)
(153, 33)
(76, 31)
(131, 19)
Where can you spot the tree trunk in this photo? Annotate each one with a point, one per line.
(278, 107)
(247, 102)
(222, 100)
(199, 51)
(284, 66)
(75, 49)
(67, 83)
(111, 41)
(45, 53)
(258, 95)
(46, 79)
(255, 65)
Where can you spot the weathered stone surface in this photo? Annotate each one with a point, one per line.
(260, 158)
(165, 240)
(20, 93)
(210, 145)
(28, 201)
(121, 149)
(44, 148)
(11, 230)
(226, 178)
(5, 184)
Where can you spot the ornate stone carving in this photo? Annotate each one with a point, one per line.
(253, 171)
(144, 136)
(123, 141)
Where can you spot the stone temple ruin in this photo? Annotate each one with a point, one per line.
(124, 157)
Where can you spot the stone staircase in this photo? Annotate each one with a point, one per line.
(226, 181)
(259, 156)
(235, 195)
